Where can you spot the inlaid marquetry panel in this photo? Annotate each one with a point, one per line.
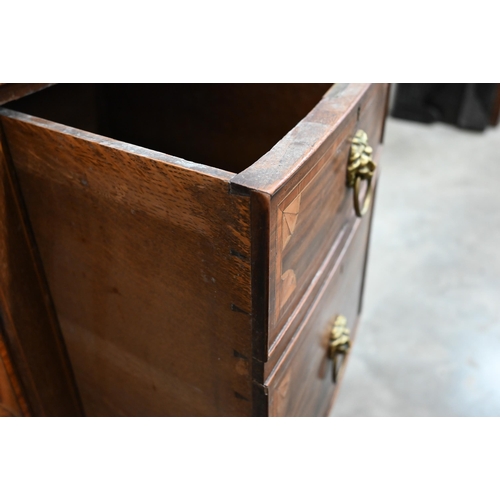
(314, 213)
(301, 383)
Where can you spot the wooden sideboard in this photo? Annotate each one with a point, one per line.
(175, 250)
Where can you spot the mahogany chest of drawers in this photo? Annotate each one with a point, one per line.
(175, 250)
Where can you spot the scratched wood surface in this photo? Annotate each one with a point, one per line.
(302, 383)
(149, 266)
(30, 328)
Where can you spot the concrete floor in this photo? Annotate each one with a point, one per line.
(429, 338)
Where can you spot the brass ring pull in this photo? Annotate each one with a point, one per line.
(360, 211)
(339, 344)
(361, 168)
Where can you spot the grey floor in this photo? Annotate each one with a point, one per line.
(429, 339)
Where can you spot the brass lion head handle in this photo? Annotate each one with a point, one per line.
(361, 168)
(339, 344)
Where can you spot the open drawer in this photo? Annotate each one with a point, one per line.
(181, 228)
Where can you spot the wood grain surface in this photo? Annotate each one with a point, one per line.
(149, 266)
(30, 327)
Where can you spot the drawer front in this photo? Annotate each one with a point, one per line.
(302, 382)
(314, 213)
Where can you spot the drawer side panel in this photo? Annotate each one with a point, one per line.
(32, 345)
(148, 263)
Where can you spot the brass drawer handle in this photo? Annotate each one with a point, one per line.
(361, 168)
(339, 344)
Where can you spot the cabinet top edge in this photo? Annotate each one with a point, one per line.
(173, 161)
(270, 172)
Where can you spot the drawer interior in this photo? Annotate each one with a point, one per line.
(228, 126)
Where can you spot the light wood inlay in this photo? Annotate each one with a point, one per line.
(290, 216)
(288, 285)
